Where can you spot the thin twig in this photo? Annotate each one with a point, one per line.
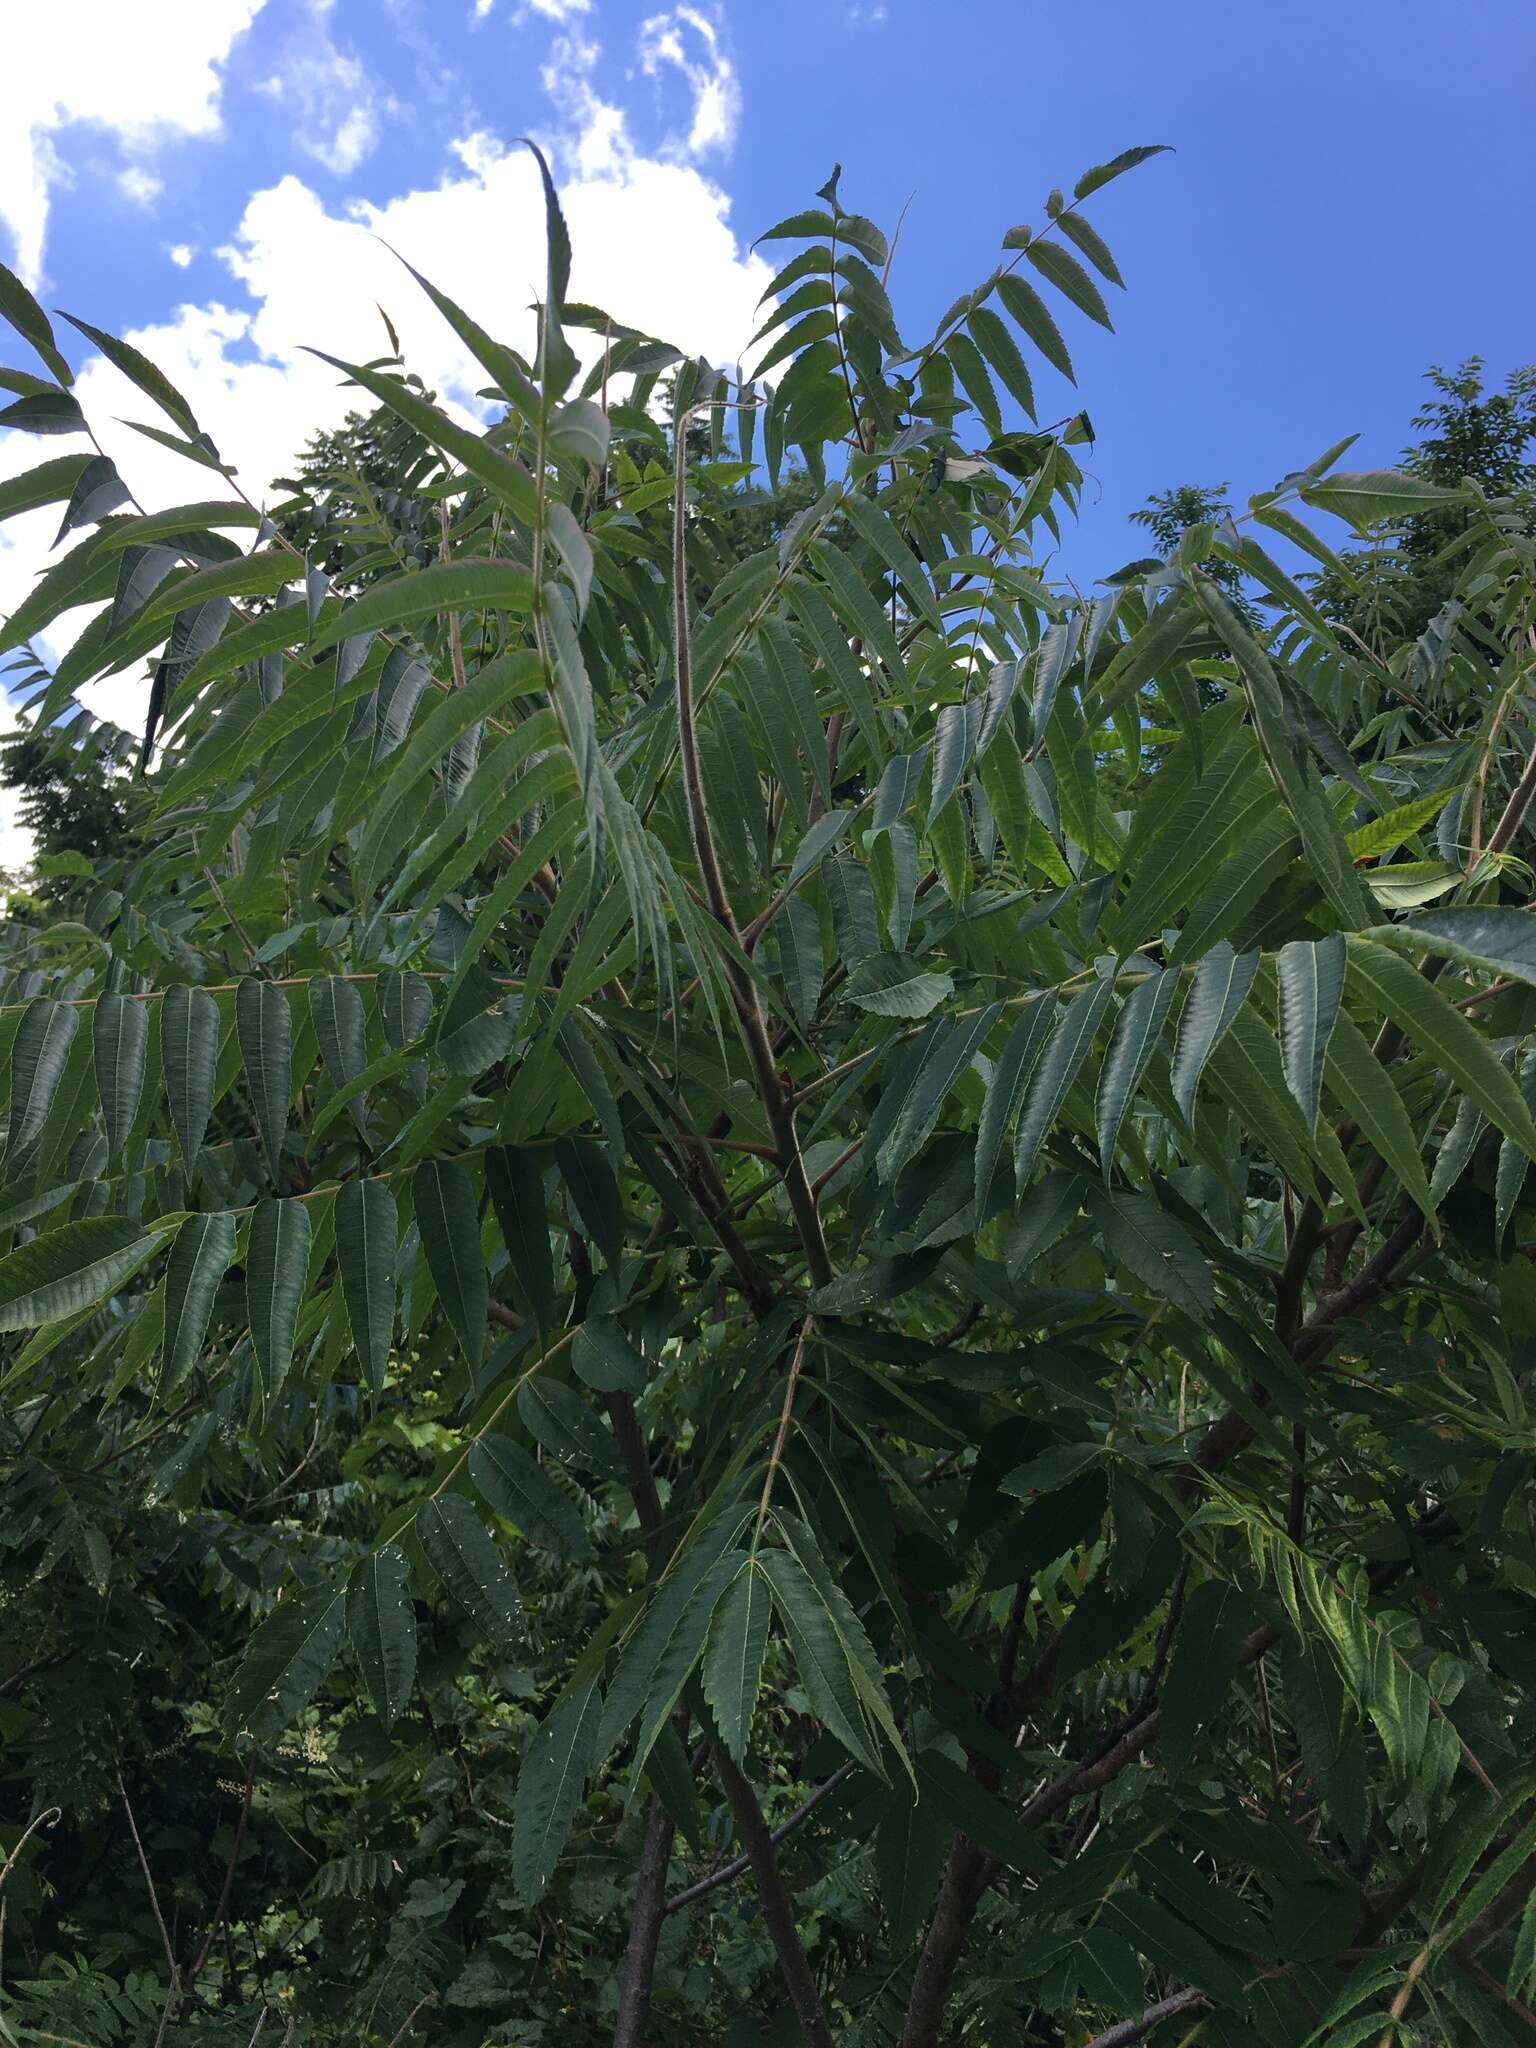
(727, 1871)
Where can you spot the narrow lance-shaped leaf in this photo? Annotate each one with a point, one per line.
(119, 1038)
(1057, 1070)
(469, 1564)
(1311, 974)
(947, 1061)
(366, 1230)
(39, 1053)
(381, 1621)
(1419, 1008)
(733, 1657)
(516, 1183)
(288, 1660)
(1138, 1029)
(341, 1027)
(189, 1051)
(518, 1487)
(1010, 1077)
(449, 1219)
(1217, 993)
(70, 1269)
(199, 1259)
(276, 1266)
(550, 1785)
(265, 1027)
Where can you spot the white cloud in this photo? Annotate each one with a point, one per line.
(98, 61)
(141, 186)
(560, 10)
(689, 42)
(334, 106)
(181, 255)
(652, 243)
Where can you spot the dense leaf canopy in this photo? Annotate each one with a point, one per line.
(763, 1282)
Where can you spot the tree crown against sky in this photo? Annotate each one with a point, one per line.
(764, 1277)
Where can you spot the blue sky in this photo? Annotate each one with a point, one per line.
(1350, 199)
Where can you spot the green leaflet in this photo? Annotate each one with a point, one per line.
(594, 1192)
(72, 1268)
(670, 1632)
(1138, 1031)
(1025, 306)
(405, 1007)
(288, 1660)
(1215, 1624)
(517, 1487)
(200, 1257)
(1011, 1074)
(189, 1050)
(515, 1179)
(500, 473)
(454, 1541)
(47, 484)
(264, 1025)
(276, 1268)
(119, 1042)
(819, 1656)
(943, 1065)
(381, 1623)
(1219, 989)
(867, 1677)
(449, 1219)
(1364, 496)
(1159, 1251)
(367, 1228)
(341, 1026)
(1418, 1007)
(910, 1845)
(604, 1357)
(1366, 1090)
(1493, 936)
(1311, 975)
(733, 1656)
(550, 1785)
(797, 931)
(39, 1052)
(896, 985)
(563, 1423)
(1057, 1069)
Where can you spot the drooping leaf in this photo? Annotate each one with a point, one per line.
(199, 1259)
(550, 1785)
(265, 1027)
(449, 1220)
(189, 1050)
(516, 1184)
(1218, 991)
(39, 1053)
(517, 1486)
(470, 1566)
(287, 1661)
(1138, 1030)
(367, 1227)
(1311, 974)
(733, 1657)
(72, 1268)
(276, 1267)
(381, 1623)
(119, 1043)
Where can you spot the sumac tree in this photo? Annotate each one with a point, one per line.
(760, 1279)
